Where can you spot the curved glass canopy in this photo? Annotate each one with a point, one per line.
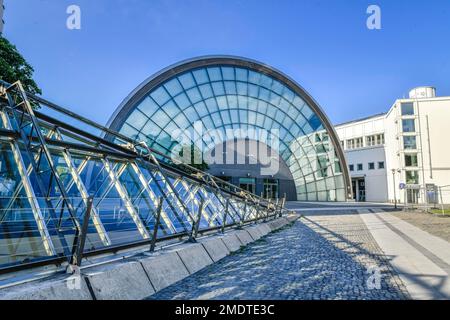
(229, 93)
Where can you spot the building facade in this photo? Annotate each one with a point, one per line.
(401, 154)
(231, 108)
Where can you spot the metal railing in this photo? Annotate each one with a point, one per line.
(431, 198)
(67, 192)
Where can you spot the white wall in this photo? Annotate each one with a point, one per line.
(375, 180)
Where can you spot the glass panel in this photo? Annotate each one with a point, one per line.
(408, 125)
(160, 96)
(407, 108)
(409, 142)
(412, 177)
(411, 160)
(187, 80)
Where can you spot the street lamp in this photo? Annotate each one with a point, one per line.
(395, 195)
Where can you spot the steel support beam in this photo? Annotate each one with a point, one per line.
(84, 193)
(125, 198)
(32, 199)
(152, 196)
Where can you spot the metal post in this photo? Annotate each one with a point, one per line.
(268, 209)
(395, 195)
(196, 223)
(225, 215)
(80, 238)
(283, 202)
(245, 213)
(156, 226)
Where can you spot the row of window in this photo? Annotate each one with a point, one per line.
(371, 166)
(356, 143)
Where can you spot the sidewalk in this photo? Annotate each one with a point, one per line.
(421, 259)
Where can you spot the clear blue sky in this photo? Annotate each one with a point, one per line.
(323, 44)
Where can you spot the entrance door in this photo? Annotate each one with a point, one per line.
(355, 194)
(270, 188)
(359, 189)
(247, 184)
(412, 196)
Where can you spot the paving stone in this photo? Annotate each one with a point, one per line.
(319, 257)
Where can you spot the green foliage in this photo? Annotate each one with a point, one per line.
(13, 67)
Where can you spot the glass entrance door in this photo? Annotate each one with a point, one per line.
(270, 189)
(412, 196)
(359, 189)
(248, 184)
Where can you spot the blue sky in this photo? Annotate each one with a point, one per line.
(323, 44)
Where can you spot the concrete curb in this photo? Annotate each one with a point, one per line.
(164, 269)
(125, 280)
(142, 275)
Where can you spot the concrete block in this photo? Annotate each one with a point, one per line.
(215, 248)
(62, 288)
(194, 256)
(278, 223)
(273, 225)
(264, 228)
(119, 281)
(254, 232)
(292, 217)
(164, 269)
(231, 241)
(244, 237)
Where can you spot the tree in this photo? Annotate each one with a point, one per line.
(13, 67)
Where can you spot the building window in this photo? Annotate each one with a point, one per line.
(412, 177)
(408, 125)
(355, 143)
(351, 167)
(381, 165)
(409, 142)
(360, 167)
(371, 165)
(407, 109)
(411, 160)
(351, 144)
(343, 144)
(375, 140)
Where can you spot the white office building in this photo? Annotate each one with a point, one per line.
(403, 154)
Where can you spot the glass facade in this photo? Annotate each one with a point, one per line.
(238, 96)
(58, 181)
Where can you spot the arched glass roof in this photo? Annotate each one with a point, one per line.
(229, 93)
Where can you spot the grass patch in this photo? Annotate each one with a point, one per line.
(445, 212)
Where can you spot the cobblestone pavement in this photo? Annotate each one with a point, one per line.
(432, 223)
(318, 257)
